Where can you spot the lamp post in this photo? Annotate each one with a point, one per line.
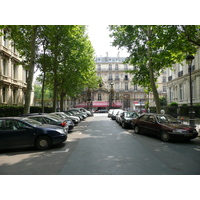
(111, 95)
(189, 60)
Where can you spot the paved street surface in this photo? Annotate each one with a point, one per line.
(99, 146)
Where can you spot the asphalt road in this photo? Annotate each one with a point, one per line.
(99, 146)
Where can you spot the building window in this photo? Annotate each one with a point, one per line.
(99, 68)
(117, 77)
(181, 92)
(110, 67)
(164, 88)
(126, 77)
(135, 87)
(14, 71)
(126, 86)
(116, 67)
(170, 94)
(99, 97)
(4, 94)
(116, 86)
(110, 77)
(125, 67)
(15, 95)
(5, 67)
(164, 79)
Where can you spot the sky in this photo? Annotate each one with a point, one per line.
(101, 41)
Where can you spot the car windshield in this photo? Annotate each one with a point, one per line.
(32, 122)
(166, 119)
(54, 116)
(131, 115)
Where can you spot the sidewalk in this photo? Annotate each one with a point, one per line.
(185, 120)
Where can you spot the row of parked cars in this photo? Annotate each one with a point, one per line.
(164, 126)
(39, 130)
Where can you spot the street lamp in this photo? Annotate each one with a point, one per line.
(189, 60)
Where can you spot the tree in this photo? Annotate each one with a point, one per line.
(69, 61)
(151, 49)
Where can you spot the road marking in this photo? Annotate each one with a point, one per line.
(196, 149)
(61, 151)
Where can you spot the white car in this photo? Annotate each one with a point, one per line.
(110, 112)
(114, 113)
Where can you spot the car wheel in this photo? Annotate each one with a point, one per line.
(137, 129)
(165, 137)
(123, 125)
(43, 143)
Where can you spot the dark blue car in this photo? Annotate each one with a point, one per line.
(18, 132)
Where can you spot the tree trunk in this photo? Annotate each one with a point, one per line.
(31, 71)
(43, 82)
(151, 75)
(61, 101)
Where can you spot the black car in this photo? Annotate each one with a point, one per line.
(126, 118)
(164, 126)
(46, 119)
(16, 132)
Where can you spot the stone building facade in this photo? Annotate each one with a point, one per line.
(12, 74)
(178, 82)
(117, 83)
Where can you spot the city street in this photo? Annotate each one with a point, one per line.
(99, 146)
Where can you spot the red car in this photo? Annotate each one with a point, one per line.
(164, 126)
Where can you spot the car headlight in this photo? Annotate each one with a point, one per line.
(61, 131)
(179, 131)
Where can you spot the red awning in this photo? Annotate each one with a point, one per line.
(117, 104)
(105, 104)
(100, 104)
(81, 105)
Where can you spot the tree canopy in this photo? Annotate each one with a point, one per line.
(151, 49)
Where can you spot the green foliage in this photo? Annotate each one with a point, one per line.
(173, 104)
(38, 95)
(151, 49)
(163, 101)
(68, 60)
(11, 111)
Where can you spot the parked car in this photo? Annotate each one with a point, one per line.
(101, 111)
(79, 113)
(118, 116)
(75, 119)
(114, 112)
(126, 118)
(71, 113)
(18, 132)
(46, 119)
(110, 112)
(164, 126)
(83, 110)
(69, 121)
